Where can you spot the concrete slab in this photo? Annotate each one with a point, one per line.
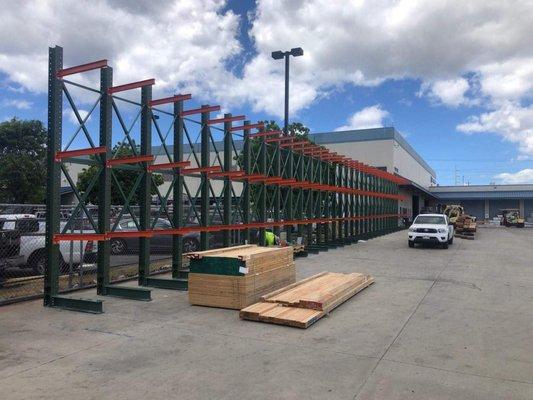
(437, 324)
(400, 381)
(481, 342)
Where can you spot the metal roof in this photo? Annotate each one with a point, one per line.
(415, 186)
(484, 195)
(483, 188)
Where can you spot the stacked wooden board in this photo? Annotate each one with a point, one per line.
(465, 227)
(235, 277)
(305, 302)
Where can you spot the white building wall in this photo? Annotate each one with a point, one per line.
(377, 153)
(409, 168)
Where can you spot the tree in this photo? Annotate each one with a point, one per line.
(22, 161)
(126, 179)
(296, 129)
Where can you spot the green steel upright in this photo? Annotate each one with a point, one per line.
(228, 145)
(146, 185)
(104, 183)
(247, 167)
(205, 161)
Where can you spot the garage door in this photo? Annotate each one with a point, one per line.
(475, 208)
(528, 208)
(496, 205)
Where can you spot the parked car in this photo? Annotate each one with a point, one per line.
(33, 247)
(9, 251)
(158, 243)
(431, 228)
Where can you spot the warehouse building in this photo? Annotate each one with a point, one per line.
(387, 149)
(487, 201)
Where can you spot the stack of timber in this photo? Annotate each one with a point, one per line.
(305, 302)
(465, 227)
(235, 277)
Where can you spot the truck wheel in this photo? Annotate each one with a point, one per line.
(445, 245)
(450, 241)
(118, 246)
(411, 244)
(37, 262)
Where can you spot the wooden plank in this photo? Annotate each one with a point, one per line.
(297, 313)
(269, 296)
(237, 292)
(200, 254)
(252, 312)
(318, 285)
(320, 299)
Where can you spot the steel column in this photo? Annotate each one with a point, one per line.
(205, 161)
(228, 151)
(104, 183)
(146, 185)
(55, 115)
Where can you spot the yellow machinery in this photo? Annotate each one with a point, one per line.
(453, 211)
(511, 217)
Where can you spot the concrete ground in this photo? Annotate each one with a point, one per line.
(437, 324)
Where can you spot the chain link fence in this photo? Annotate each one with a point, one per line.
(23, 252)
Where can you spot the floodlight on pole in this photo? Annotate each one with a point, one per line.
(278, 55)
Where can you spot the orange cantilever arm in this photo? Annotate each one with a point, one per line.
(226, 119)
(214, 168)
(170, 165)
(229, 174)
(129, 86)
(171, 99)
(129, 160)
(81, 152)
(70, 237)
(81, 68)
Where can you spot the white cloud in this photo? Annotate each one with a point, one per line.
(18, 104)
(72, 116)
(511, 121)
(186, 44)
(523, 176)
(183, 44)
(508, 80)
(369, 117)
(450, 92)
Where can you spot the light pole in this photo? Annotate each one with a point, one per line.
(278, 55)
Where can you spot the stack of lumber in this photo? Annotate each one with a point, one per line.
(465, 227)
(305, 302)
(235, 277)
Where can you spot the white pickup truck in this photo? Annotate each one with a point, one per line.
(33, 248)
(431, 228)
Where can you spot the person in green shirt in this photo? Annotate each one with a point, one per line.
(271, 239)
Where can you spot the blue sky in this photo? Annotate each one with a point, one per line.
(462, 100)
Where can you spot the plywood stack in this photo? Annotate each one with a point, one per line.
(305, 302)
(236, 277)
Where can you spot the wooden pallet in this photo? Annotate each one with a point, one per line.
(465, 235)
(305, 302)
